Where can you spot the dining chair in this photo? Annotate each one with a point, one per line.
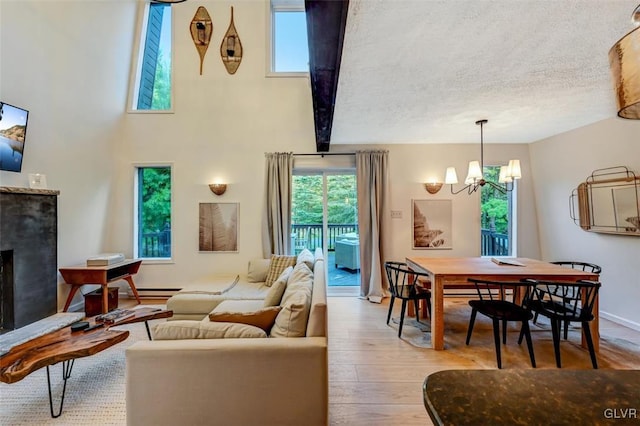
(503, 302)
(403, 284)
(582, 266)
(563, 302)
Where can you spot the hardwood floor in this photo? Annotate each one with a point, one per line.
(375, 378)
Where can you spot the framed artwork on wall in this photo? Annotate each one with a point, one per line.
(431, 224)
(219, 227)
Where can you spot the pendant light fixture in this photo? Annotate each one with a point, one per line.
(475, 179)
(624, 60)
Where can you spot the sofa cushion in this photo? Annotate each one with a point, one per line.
(306, 257)
(301, 276)
(278, 264)
(292, 319)
(237, 306)
(274, 295)
(263, 318)
(185, 329)
(258, 269)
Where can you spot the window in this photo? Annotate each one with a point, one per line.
(497, 218)
(289, 47)
(152, 88)
(153, 212)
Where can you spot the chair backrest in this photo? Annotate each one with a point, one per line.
(503, 290)
(402, 279)
(583, 266)
(566, 301)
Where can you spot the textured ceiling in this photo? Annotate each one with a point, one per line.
(423, 71)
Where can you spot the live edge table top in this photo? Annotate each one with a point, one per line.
(64, 345)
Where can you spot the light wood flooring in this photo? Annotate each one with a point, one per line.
(375, 378)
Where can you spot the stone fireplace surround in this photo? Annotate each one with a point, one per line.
(28, 247)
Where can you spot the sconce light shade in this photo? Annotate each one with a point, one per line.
(433, 187)
(451, 177)
(218, 188)
(624, 60)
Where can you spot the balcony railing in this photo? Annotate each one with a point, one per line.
(494, 244)
(310, 236)
(155, 244)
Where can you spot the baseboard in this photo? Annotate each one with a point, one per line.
(618, 320)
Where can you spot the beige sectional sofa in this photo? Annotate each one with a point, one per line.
(199, 375)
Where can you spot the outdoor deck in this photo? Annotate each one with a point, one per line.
(340, 277)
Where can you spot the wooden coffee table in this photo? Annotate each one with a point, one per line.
(65, 346)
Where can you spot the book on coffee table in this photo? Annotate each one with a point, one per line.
(115, 316)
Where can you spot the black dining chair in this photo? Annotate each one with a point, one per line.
(582, 266)
(503, 302)
(403, 284)
(565, 303)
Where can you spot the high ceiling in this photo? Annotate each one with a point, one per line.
(423, 71)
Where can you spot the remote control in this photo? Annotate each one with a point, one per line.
(94, 326)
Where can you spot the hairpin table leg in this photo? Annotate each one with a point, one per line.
(67, 366)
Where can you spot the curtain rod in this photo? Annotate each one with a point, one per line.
(325, 153)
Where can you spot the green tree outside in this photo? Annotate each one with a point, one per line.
(493, 203)
(306, 205)
(155, 198)
(161, 99)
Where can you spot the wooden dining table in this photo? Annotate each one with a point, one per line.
(452, 272)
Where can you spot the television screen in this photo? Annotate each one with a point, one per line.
(13, 128)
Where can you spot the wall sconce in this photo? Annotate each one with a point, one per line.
(218, 188)
(433, 187)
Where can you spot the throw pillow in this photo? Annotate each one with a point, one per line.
(258, 269)
(264, 318)
(306, 257)
(274, 295)
(292, 319)
(187, 329)
(278, 264)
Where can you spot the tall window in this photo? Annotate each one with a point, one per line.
(289, 47)
(497, 217)
(153, 212)
(152, 90)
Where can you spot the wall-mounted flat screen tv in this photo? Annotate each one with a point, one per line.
(13, 129)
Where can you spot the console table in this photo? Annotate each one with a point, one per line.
(77, 276)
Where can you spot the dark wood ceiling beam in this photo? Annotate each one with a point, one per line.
(326, 22)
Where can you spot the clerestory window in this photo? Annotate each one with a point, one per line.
(151, 90)
(288, 39)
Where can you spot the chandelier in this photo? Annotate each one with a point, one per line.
(624, 60)
(475, 178)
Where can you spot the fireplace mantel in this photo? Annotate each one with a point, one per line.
(16, 190)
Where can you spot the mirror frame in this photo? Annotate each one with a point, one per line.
(582, 199)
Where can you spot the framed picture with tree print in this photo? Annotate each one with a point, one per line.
(219, 227)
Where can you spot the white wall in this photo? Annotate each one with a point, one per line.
(64, 62)
(559, 164)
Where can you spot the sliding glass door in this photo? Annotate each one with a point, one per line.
(324, 214)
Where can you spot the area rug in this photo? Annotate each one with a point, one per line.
(95, 393)
(614, 352)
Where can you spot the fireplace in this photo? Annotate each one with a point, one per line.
(28, 252)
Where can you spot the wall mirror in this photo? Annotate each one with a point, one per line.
(608, 201)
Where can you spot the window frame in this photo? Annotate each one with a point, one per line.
(280, 6)
(136, 62)
(136, 225)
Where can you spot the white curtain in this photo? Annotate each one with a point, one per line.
(372, 181)
(276, 217)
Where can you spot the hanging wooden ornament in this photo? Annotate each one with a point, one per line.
(201, 29)
(231, 48)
